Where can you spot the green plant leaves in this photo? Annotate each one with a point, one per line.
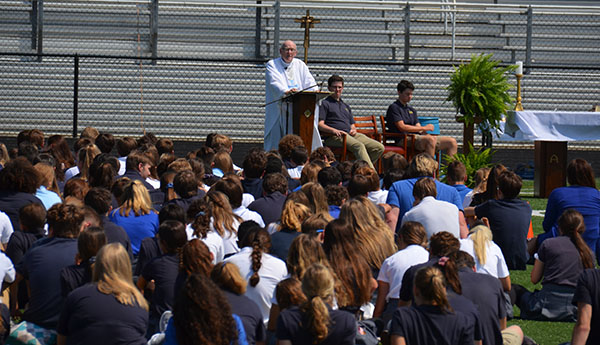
(473, 161)
(480, 88)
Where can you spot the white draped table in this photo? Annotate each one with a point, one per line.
(550, 131)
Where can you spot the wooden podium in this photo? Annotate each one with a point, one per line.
(304, 104)
(550, 167)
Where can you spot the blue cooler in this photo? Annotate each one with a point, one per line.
(435, 121)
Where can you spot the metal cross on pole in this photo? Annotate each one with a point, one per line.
(307, 22)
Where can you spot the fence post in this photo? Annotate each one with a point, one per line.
(75, 94)
(154, 30)
(277, 8)
(406, 35)
(33, 18)
(40, 29)
(528, 43)
(258, 30)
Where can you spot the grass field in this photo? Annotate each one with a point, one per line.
(544, 333)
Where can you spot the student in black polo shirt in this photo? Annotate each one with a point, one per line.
(430, 320)
(402, 118)
(336, 121)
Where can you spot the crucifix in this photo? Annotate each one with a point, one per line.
(307, 22)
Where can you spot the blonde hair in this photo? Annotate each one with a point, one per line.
(293, 214)
(422, 165)
(137, 199)
(374, 237)
(480, 179)
(47, 177)
(318, 286)
(223, 217)
(481, 236)
(85, 157)
(227, 276)
(112, 275)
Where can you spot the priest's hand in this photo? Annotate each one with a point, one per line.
(290, 91)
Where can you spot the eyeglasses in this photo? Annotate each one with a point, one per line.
(288, 49)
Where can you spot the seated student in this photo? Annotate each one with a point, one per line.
(336, 121)
(42, 264)
(285, 148)
(124, 147)
(163, 271)
(456, 176)
(299, 158)
(32, 219)
(480, 180)
(292, 216)
(324, 154)
(136, 215)
(221, 142)
(586, 330)
(412, 244)
(202, 315)
(486, 293)
(270, 205)
(100, 199)
(435, 215)
(329, 176)
(261, 269)
(275, 165)
(254, 167)
(227, 277)
(108, 311)
(18, 183)
(325, 325)
(314, 226)
(231, 186)
(198, 219)
(509, 219)
(195, 258)
(431, 319)
(186, 187)
(222, 164)
(402, 118)
(336, 197)
(224, 221)
(376, 194)
(48, 191)
(400, 196)
(105, 142)
(559, 261)
(89, 242)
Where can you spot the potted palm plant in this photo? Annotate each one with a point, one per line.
(479, 92)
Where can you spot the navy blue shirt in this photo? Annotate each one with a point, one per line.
(588, 292)
(11, 202)
(253, 186)
(115, 233)
(336, 114)
(269, 207)
(509, 222)
(400, 112)
(91, 317)
(149, 249)
(342, 328)
(74, 276)
(250, 314)
(281, 242)
(486, 292)
(426, 324)
(163, 270)
(42, 265)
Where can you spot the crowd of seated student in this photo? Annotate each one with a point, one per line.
(290, 237)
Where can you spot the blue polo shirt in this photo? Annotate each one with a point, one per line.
(336, 114)
(400, 112)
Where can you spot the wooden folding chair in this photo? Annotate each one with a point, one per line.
(366, 125)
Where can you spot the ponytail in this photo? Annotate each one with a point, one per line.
(571, 224)
(481, 236)
(261, 243)
(318, 286)
(431, 286)
(447, 265)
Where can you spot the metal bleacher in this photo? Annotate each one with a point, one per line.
(209, 75)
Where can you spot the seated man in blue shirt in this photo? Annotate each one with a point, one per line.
(335, 121)
(402, 118)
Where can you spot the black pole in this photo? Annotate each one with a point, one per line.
(75, 95)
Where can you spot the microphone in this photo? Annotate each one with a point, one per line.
(321, 85)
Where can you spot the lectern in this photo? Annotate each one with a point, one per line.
(304, 104)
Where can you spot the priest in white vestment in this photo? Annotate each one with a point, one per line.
(285, 75)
